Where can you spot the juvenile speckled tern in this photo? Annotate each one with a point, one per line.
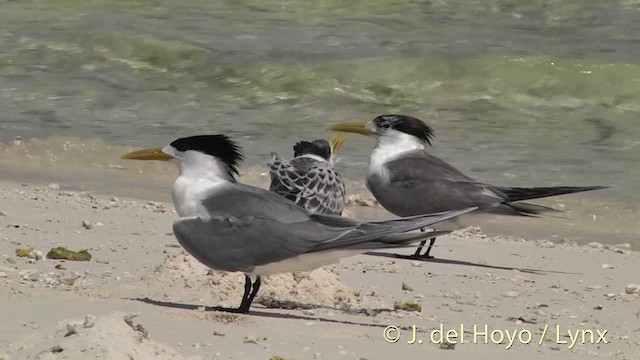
(310, 179)
(407, 180)
(235, 227)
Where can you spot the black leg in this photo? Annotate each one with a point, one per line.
(249, 294)
(256, 287)
(417, 253)
(247, 290)
(426, 255)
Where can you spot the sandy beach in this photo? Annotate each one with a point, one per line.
(140, 296)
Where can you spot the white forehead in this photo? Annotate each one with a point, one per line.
(170, 150)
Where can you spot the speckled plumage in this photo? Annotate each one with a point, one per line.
(309, 181)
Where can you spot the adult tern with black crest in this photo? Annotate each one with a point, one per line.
(407, 180)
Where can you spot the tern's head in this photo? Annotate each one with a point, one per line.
(323, 149)
(200, 153)
(390, 126)
(320, 148)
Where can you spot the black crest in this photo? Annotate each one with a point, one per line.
(219, 146)
(318, 147)
(406, 124)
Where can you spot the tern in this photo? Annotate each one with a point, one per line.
(310, 179)
(407, 180)
(234, 227)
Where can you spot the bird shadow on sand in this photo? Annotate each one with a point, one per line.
(469, 263)
(285, 305)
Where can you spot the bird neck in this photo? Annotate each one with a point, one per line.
(200, 177)
(391, 146)
(314, 157)
(394, 143)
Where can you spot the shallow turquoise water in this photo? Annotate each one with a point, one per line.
(519, 92)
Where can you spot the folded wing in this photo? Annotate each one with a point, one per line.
(313, 185)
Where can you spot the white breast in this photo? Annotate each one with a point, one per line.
(200, 176)
(188, 194)
(390, 147)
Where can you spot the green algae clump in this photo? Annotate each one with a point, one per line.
(66, 254)
(407, 306)
(21, 252)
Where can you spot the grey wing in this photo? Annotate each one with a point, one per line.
(313, 185)
(243, 201)
(239, 244)
(422, 183)
(232, 244)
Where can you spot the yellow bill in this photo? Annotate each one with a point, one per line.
(147, 154)
(336, 142)
(352, 127)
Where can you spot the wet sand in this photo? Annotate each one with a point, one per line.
(93, 309)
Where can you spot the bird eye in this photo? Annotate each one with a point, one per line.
(385, 125)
